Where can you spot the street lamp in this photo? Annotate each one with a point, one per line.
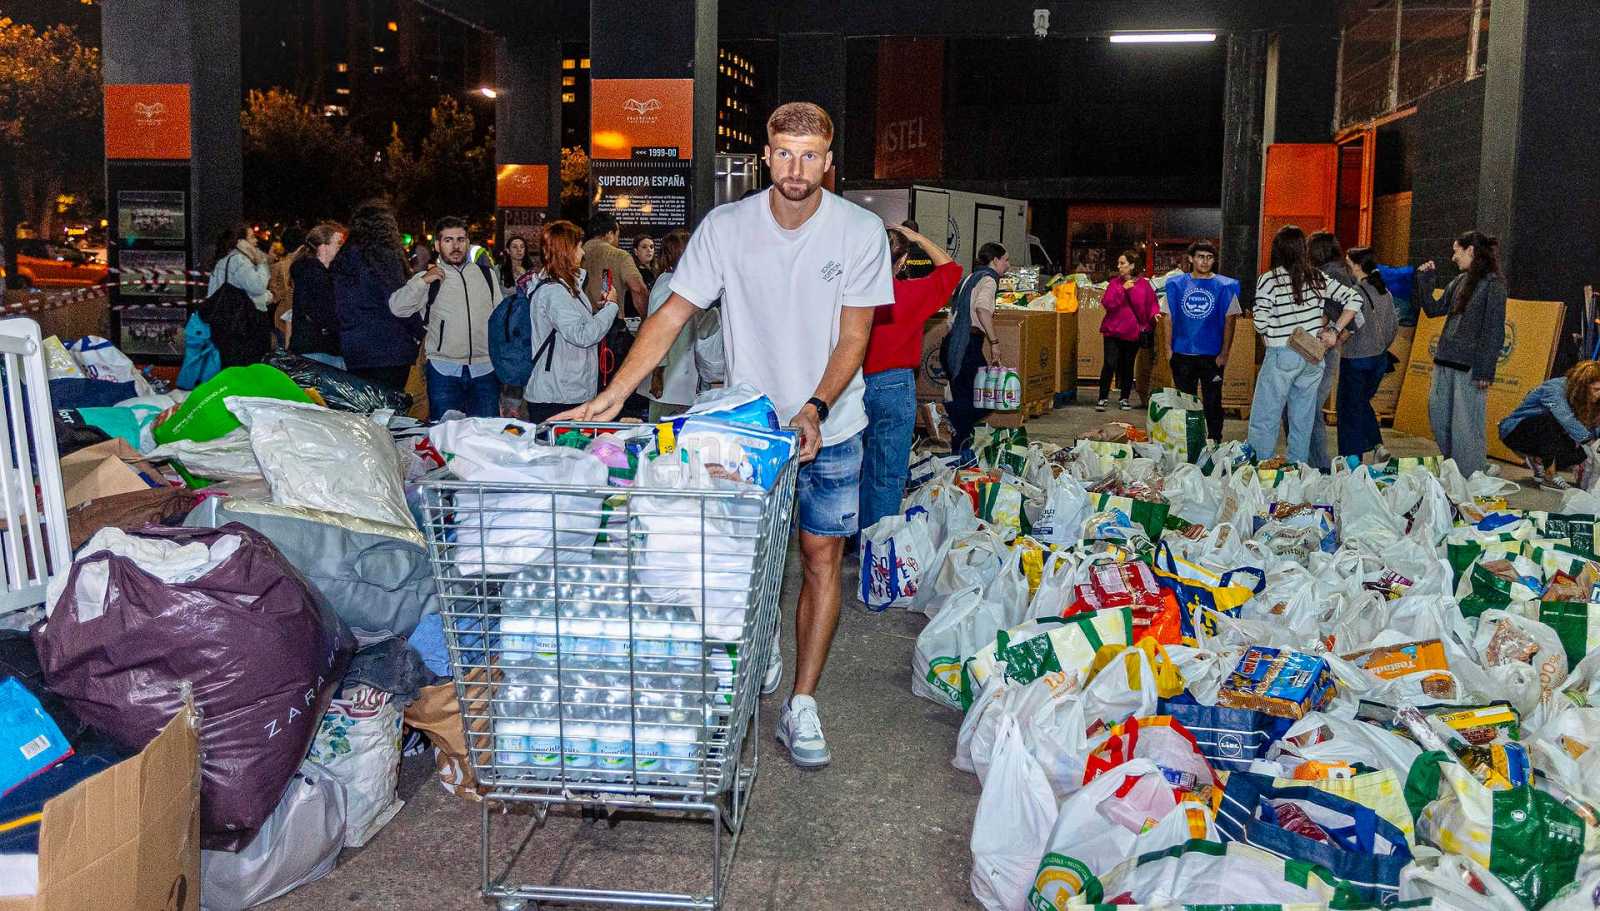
(488, 92)
(1163, 37)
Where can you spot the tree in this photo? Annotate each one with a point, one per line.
(298, 165)
(574, 184)
(452, 172)
(50, 120)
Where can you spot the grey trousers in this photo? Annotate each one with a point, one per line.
(1457, 411)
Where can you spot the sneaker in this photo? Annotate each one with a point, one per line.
(1381, 454)
(1492, 470)
(800, 732)
(769, 683)
(1100, 405)
(1555, 483)
(1124, 405)
(1535, 468)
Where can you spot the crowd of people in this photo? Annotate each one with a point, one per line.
(812, 300)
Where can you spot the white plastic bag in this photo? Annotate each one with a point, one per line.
(1066, 505)
(510, 529)
(897, 554)
(298, 844)
(967, 624)
(1192, 496)
(330, 460)
(358, 743)
(226, 458)
(102, 360)
(1015, 815)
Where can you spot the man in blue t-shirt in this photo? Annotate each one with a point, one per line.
(1204, 307)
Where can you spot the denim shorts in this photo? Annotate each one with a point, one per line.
(829, 490)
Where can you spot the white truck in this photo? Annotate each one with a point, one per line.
(964, 221)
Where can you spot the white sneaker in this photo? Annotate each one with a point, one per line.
(769, 683)
(800, 732)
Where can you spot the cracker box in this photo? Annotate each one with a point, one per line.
(1279, 682)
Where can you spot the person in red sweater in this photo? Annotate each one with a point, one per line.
(1130, 305)
(893, 354)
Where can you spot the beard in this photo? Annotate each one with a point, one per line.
(797, 190)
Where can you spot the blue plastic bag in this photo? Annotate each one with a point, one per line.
(30, 742)
(201, 360)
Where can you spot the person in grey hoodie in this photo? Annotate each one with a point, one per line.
(1323, 248)
(1474, 308)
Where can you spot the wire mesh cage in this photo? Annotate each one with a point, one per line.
(609, 643)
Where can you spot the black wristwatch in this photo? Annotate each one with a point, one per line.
(820, 405)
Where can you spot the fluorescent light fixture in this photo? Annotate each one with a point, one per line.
(1163, 37)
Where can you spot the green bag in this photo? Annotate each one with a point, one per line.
(1177, 421)
(204, 415)
(1150, 516)
(1577, 625)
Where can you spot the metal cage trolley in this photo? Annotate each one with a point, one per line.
(608, 645)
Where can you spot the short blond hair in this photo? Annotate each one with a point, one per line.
(800, 118)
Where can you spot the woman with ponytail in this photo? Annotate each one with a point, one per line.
(1474, 308)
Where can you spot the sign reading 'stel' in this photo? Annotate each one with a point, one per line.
(903, 135)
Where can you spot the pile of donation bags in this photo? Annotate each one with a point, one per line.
(1253, 684)
(271, 567)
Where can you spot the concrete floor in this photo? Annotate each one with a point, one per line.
(885, 827)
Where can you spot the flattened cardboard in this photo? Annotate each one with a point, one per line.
(104, 469)
(127, 839)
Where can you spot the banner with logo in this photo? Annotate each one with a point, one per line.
(522, 186)
(147, 121)
(641, 118)
(909, 141)
(1532, 330)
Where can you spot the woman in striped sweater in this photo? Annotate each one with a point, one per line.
(1289, 297)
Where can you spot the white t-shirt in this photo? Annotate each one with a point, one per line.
(781, 296)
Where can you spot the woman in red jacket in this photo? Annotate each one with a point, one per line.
(893, 354)
(1130, 305)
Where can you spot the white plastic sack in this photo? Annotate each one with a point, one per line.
(507, 530)
(1192, 496)
(1066, 505)
(102, 360)
(226, 458)
(1347, 740)
(330, 460)
(973, 559)
(897, 554)
(359, 744)
(697, 552)
(169, 561)
(964, 626)
(1524, 656)
(298, 844)
(1015, 815)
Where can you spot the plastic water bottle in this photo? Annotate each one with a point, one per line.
(688, 641)
(682, 748)
(650, 751)
(614, 738)
(517, 639)
(980, 382)
(511, 742)
(544, 739)
(652, 644)
(579, 732)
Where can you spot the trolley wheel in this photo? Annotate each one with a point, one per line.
(515, 904)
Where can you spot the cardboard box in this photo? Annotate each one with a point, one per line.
(930, 375)
(1027, 341)
(1239, 377)
(1066, 352)
(1091, 348)
(1532, 328)
(1388, 394)
(127, 839)
(104, 469)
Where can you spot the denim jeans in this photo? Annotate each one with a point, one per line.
(1359, 378)
(1317, 451)
(476, 397)
(891, 401)
(828, 490)
(1285, 380)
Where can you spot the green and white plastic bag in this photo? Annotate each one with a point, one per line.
(1177, 422)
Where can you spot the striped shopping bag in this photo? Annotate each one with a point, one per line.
(1149, 515)
(1577, 624)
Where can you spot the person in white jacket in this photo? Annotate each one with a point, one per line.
(567, 329)
(455, 294)
(243, 265)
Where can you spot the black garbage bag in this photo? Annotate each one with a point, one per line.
(260, 648)
(342, 390)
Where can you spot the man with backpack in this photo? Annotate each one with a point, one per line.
(455, 295)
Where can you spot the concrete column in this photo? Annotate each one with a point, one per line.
(1538, 188)
(194, 42)
(527, 112)
(1244, 104)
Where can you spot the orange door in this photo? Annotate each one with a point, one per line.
(1301, 188)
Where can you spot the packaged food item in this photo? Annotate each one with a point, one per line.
(741, 452)
(1278, 682)
(1422, 663)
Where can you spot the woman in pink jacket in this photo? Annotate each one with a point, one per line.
(1130, 304)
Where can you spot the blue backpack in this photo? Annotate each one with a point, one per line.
(511, 338)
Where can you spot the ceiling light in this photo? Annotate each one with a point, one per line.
(1163, 37)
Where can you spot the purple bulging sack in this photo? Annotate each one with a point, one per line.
(262, 650)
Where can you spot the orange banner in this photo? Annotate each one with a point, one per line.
(641, 114)
(147, 121)
(522, 186)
